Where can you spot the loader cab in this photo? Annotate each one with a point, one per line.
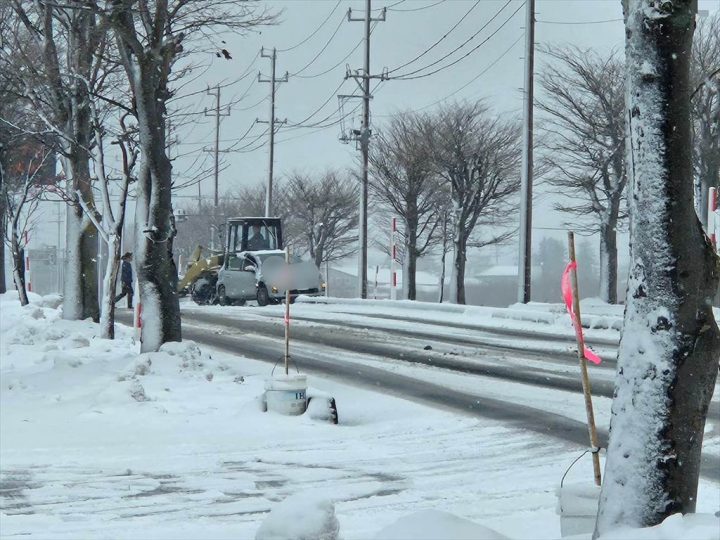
(253, 234)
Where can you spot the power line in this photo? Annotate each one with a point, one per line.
(245, 73)
(249, 107)
(406, 78)
(239, 139)
(311, 62)
(341, 61)
(254, 141)
(483, 72)
(439, 40)
(580, 22)
(317, 128)
(468, 40)
(417, 8)
(314, 31)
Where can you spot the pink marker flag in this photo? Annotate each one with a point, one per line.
(568, 297)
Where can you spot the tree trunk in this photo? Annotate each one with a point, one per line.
(18, 260)
(608, 261)
(410, 262)
(318, 253)
(668, 356)
(457, 290)
(156, 270)
(80, 294)
(441, 292)
(107, 313)
(412, 275)
(3, 213)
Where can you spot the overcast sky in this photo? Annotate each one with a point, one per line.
(494, 72)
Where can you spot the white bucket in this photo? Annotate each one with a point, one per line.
(286, 394)
(577, 506)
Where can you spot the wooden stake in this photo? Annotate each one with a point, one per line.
(583, 364)
(287, 311)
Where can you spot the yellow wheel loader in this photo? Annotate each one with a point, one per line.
(251, 267)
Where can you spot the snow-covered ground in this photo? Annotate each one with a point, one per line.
(99, 441)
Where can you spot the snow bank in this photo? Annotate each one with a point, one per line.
(595, 313)
(675, 527)
(302, 516)
(434, 524)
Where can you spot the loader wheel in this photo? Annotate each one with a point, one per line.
(222, 298)
(263, 298)
(203, 291)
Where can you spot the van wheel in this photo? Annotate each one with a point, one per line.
(222, 297)
(263, 298)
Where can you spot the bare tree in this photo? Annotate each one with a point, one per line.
(151, 38)
(584, 146)
(323, 210)
(53, 49)
(668, 356)
(110, 222)
(22, 187)
(477, 155)
(403, 179)
(705, 74)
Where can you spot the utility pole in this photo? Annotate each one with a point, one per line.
(526, 189)
(218, 112)
(364, 138)
(272, 121)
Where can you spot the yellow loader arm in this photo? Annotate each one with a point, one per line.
(197, 266)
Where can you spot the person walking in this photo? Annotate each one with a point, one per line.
(126, 280)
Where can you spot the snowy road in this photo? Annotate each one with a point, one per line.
(526, 381)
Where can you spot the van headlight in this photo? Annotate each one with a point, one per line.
(323, 285)
(274, 289)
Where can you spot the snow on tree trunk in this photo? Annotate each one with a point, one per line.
(156, 272)
(154, 222)
(80, 294)
(608, 261)
(3, 286)
(18, 259)
(668, 356)
(107, 312)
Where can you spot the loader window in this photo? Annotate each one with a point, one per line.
(234, 262)
(261, 236)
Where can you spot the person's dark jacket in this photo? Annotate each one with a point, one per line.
(126, 275)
